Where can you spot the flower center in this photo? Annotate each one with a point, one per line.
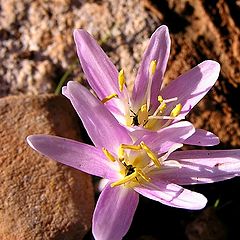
(133, 162)
(150, 120)
(146, 117)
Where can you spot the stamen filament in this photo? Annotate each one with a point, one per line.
(121, 80)
(106, 99)
(143, 175)
(150, 154)
(171, 100)
(161, 117)
(161, 108)
(108, 155)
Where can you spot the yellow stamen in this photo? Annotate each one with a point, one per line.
(106, 99)
(176, 111)
(153, 66)
(160, 99)
(121, 80)
(121, 153)
(132, 147)
(143, 114)
(124, 180)
(143, 175)
(108, 155)
(150, 154)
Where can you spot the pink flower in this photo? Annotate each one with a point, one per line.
(150, 107)
(148, 166)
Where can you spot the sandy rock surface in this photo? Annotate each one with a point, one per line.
(39, 198)
(36, 43)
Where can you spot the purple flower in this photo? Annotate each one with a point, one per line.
(150, 106)
(148, 166)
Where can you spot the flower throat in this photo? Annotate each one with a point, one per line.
(145, 116)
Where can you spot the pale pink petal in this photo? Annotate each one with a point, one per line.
(202, 137)
(192, 86)
(102, 127)
(74, 154)
(100, 72)
(200, 166)
(172, 195)
(158, 49)
(114, 212)
(162, 140)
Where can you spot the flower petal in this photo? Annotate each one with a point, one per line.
(102, 127)
(202, 166)
(158, 49)
(162, 140)
(172, 195)
(75, 154)
(192, 86)
(114, 212)
(100, 72)
(202, 137)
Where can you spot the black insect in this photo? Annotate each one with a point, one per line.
(135, 119)
(129, 169)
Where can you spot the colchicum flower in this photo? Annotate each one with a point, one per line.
(149, 166)
(149, 106)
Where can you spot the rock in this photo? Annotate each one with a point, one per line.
(39, 198)
(206, 226)
(36, 39)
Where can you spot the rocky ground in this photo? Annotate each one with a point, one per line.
(37, 51)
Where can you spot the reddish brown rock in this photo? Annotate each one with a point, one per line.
(39, 198)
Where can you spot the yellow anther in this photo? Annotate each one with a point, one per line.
(143, 108)
(150, 154)
(124, 180)
(160, 99)
(153, 66)
(121, 153)
(143, 114)
(162, 107)
(131, 147)
(106, 99)
(121, 80)
(143, 175)
(108, 155)
(176, 111)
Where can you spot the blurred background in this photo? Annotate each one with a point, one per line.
(38, 56)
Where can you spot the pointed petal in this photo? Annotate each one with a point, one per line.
(100, 72)
(200, 166)
(172, 195)
(114, 212)
(102, 127)
(192, 86)
(158, 49)
(162, 140)
(202, 137)
(74, 154)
